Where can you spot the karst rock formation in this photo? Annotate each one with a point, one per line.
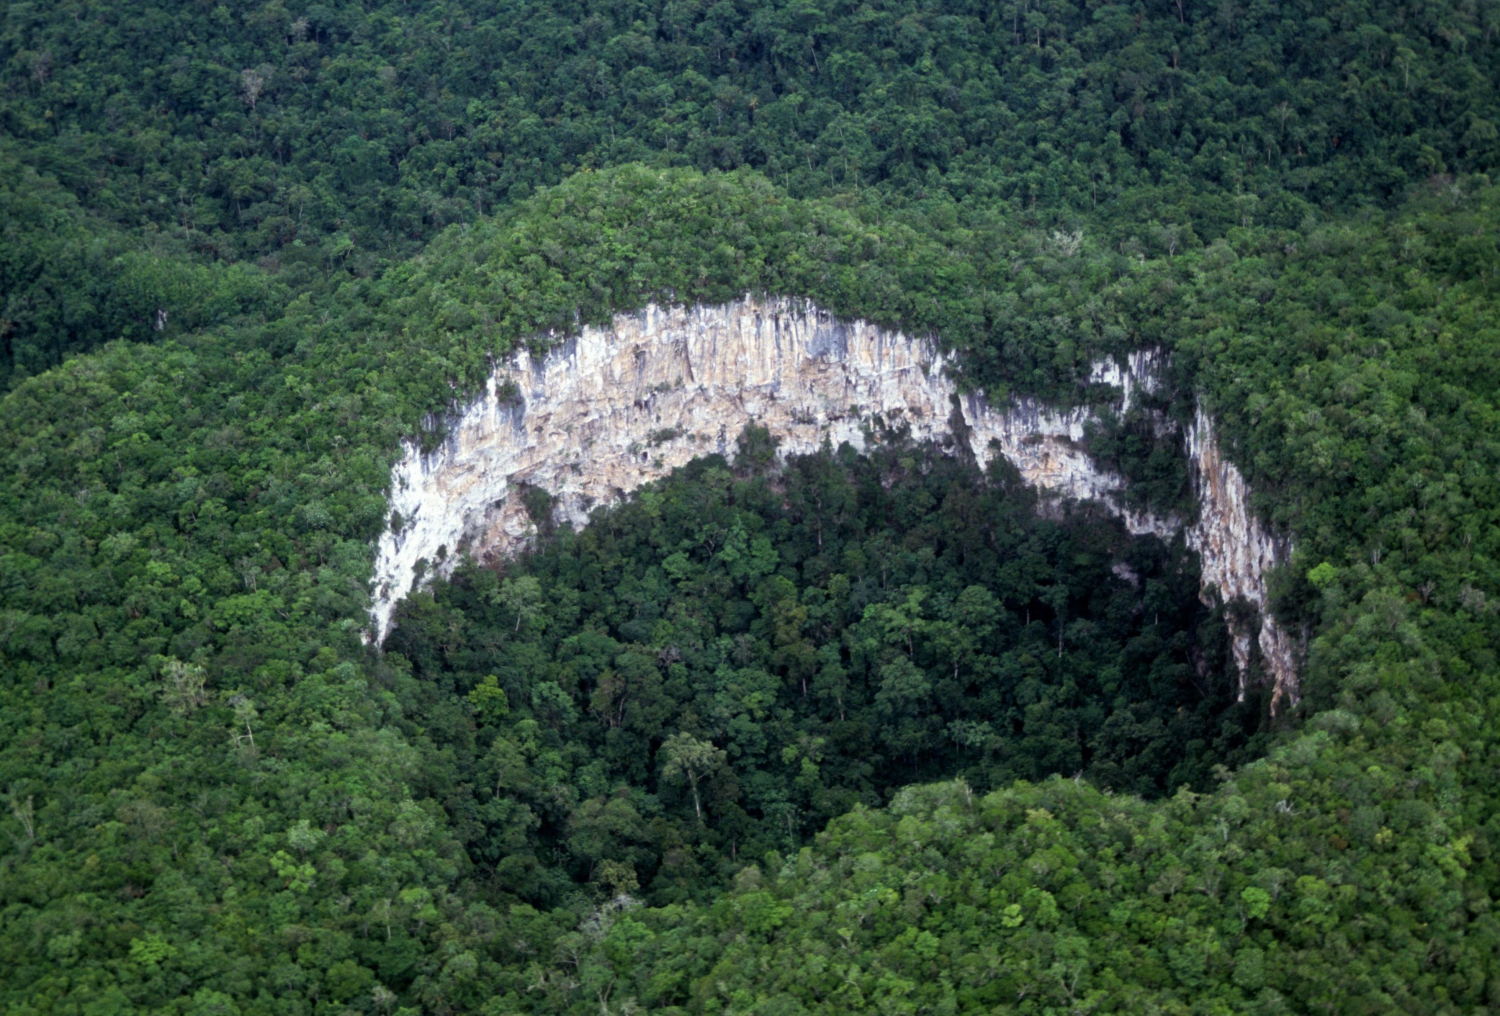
(619, 406)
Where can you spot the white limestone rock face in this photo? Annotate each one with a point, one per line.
(618, 407)
(1236, 553)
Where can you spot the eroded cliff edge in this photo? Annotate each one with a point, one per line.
(618, 407)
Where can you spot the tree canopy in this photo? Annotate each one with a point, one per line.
(839, 733)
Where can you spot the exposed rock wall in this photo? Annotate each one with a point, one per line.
(1236, 553)
(620, 406)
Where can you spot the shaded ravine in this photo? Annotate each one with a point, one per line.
(620, 406)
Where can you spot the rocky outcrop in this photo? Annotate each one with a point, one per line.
(617, 407)
(1236, 554)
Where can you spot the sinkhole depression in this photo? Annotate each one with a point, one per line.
(620, 406)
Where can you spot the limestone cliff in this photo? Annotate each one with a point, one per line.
(1236, 553)
(617, 407)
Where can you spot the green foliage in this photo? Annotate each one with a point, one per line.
(733, 658)
(362, 129)
(209, 502)
(333, 140)
(219, 799)
(1058, 895)
(70, 282)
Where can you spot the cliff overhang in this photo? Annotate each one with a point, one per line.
(617, 407)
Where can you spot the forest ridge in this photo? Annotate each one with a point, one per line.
(337, 137)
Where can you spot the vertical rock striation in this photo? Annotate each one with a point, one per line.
(1236, 554)
(618, 407)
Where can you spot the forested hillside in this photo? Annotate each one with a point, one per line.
(337, 137)
(839, 733)
(370, 125)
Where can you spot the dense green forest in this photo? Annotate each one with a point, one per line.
(338, 137)
(837, 733)
(822, 637)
